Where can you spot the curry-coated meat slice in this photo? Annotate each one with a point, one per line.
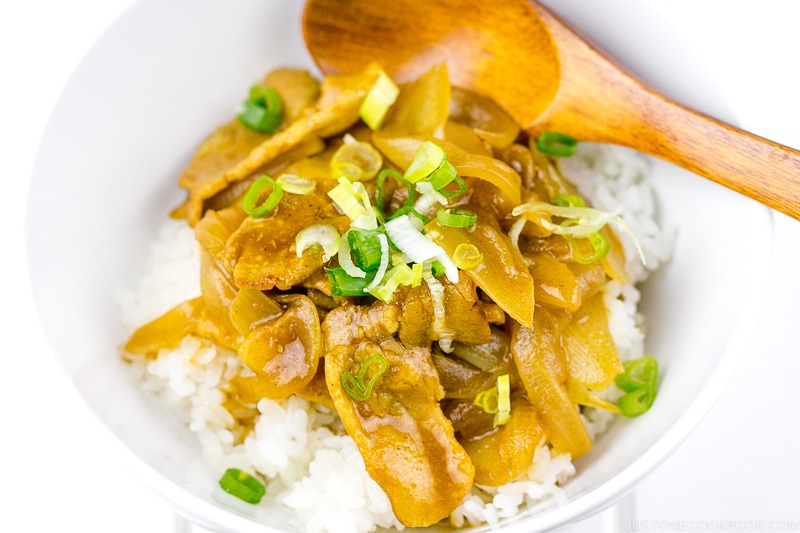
(407, 443)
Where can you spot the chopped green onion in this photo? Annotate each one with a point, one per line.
(466, 256)
(355, 386)
(497, 400)
(567, 200)
(343, 284)
(410, 240)
(443, 175)
(365, 247)
(353, 199)
(437, 268)
(600, 247)
(294, 184)
(639, 383)
(242, 485)
(457, 218)
(356, 161)
(323, 235)
(431, 165)
(641, 372)
(383, 263)
(636, 402)
(429, 197)
(346, 259)
(253, 195)
(503, 400)
(378, 101)
(267, 97)
(461, 188)
(263, 110)
(556, 144)
(398, 275)
(598, 241)
(422, 219)
(407, 206)
(416, 275)
(428, 157)
(487, 400)
(399, 258)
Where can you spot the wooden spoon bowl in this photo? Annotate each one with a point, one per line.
(548, 77)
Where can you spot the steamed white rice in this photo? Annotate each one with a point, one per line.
(301, 448)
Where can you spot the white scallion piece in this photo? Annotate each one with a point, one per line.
(323, 235)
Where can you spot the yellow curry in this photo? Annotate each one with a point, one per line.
(406, 257)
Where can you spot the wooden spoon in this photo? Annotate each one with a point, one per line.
(548, 77)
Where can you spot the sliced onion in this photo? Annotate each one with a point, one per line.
(409, 240)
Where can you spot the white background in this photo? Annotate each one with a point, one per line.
(738, 471)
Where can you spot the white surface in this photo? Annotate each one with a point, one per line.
(738, 470)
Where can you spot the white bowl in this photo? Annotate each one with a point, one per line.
(169, 71)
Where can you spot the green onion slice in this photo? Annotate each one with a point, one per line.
(323, 235)
(242, 485)
(410, 240)
(600, 244)
(346, 258)
(636, 402)
(355, 387)
(567, 200)
(383, 263)
(416, 275)
(503, 400)
(438, 268)
(461, 188)
(466, 256)
(294, 184)
(443, 175)
(263, 110)
(266, 97)
(398, 275)
(343, 284)
(457, 218)
(641, 372)
(497, 400)
(378, 101)
(381, 202)
(600, 247)
(428, 157)
(353, 200)
(487, 400)
(639, 383)
(365, 246)
(254, 193)
(356, 161)
(556, 144)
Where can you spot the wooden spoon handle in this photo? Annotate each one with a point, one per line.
(756, 167)
(621, 110)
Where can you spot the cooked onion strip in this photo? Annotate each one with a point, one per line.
(494, 171)
(584, 221)
(378, 101)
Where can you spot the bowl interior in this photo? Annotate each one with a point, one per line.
(159, 81)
